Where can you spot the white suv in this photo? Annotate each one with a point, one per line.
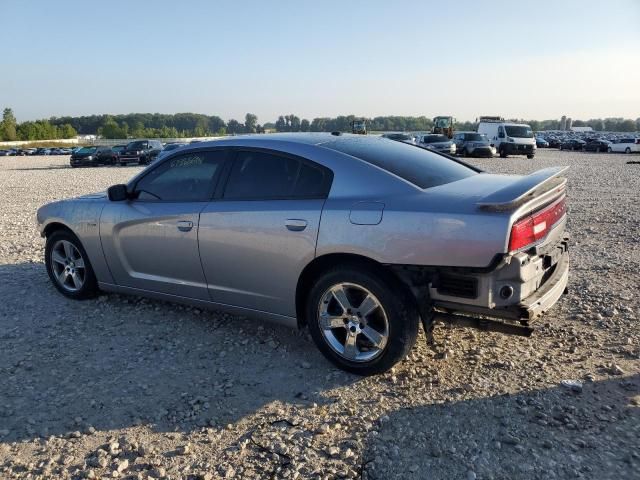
(626, 145)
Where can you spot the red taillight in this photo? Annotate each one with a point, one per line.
(537, 225)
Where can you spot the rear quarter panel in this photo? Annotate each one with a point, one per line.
(409, 236)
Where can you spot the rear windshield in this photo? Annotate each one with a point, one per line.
(435, 138)
(397, 136)
(173, 146)
(414, 164)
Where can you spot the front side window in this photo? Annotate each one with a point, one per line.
(265, 176)
(185, 178)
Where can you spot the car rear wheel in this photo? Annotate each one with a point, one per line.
(68, 266)
(627, 150)
(361, 320)
(609, 150)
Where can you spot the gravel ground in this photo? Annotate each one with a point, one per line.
(122, 387)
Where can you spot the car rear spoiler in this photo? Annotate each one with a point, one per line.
(524, 189)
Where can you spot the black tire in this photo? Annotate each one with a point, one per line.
(530, 157)
(609, 150)
(402, 317)
(627, 150)
(89, 286)
(503, 154)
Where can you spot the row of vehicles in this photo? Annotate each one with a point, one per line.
(493, 137)
(140, 152)
(628, 144)
(36, 151)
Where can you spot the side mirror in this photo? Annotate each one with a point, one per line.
(117, 193)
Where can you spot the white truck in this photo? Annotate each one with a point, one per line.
(507, 137)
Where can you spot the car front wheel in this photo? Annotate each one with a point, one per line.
(361, 319)
(68, 266)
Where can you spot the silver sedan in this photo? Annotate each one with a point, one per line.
(358, 238)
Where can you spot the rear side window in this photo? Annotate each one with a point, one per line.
(185, 178)
(417, 165)
(258, 175)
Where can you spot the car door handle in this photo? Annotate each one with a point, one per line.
(295, 224)
(185, 226)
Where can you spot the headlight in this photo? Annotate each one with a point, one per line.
(510, 140)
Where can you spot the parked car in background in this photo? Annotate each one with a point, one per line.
(168, 148)
(554, 142)
(437, 142)
(597, 145)
(91, 156)
(573, 144)
(541, 142)
(626, 145)
(141, 152)
(472, 144)
(332, 219)
(508, 138)
(400, 137)
(117, 150)
(4, 153)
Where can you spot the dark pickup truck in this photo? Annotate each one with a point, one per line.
(142, 152)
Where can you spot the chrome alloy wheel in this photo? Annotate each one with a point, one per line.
(68, 265)
(353, 322)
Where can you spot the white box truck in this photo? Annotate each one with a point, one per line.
(509, 138)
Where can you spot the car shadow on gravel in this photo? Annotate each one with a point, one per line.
(114, 362)
(589, 432)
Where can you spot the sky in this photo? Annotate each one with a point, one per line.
(533, 60)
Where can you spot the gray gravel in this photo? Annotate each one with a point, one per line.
(121, 387)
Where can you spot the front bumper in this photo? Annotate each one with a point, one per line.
(518, 148)
(485, 152)
(82, 162)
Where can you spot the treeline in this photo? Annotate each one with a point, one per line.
(159, 125)
(598, 124)
(11, 130)
(292, 123)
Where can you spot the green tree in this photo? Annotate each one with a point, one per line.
(67, 131)
(233, 126)
(304, 125)
(250, 122)
(8, 127)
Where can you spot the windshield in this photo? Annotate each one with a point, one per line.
(419, 166)
(442, 122)
(519, 131)
(117, 148)
(87, 150)
(474, 137)
(435, 138)
(136, 146)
